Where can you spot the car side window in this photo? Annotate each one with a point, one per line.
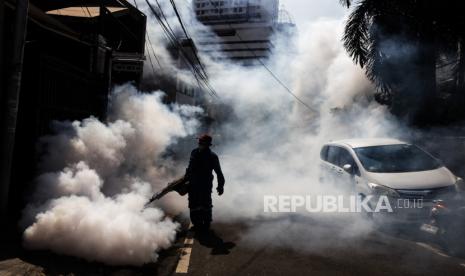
(333, 153)
(346, 158)
(324, 153)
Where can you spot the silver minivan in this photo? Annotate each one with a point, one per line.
(410, 177)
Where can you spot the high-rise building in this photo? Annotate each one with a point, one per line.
(236, 11)
(244, 28)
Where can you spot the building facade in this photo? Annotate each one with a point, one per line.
(243, 28)
(74, 53)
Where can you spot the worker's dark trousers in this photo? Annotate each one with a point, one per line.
(201, 218)
(200, 204)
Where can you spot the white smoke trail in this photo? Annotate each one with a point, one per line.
(269, 143)
(279, 137)
(97, 177)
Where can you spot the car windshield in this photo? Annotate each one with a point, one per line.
(395, 158)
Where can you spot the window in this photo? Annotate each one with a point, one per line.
(396, 159)
(333, 153)
(324, 153)
(346, 158)
(339, 157)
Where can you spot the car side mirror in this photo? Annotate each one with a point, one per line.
(347, 168)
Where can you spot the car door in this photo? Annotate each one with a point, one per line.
(325, 167)
(330, 164)
(348, 180)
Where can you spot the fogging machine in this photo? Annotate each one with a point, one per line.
(180, 186)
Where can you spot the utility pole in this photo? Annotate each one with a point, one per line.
(10, 102)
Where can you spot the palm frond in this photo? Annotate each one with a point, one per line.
(346, 3)
(356, 37)
(375, 71)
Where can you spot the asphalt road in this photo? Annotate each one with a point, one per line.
(281, 246)
(290, 248)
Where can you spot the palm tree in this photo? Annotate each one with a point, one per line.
(398, 42)
(451, 26)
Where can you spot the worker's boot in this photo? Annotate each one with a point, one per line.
(206, 227)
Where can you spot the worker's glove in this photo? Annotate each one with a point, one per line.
(220, 190)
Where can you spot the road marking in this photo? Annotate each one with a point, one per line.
(183, 263)
(184, 259)
(434, 250)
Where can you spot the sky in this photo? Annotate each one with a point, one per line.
(303, 11)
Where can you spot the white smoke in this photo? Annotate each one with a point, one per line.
(269, 142)
(273, 141)
(98, 176)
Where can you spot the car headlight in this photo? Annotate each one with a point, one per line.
(460, 184)
(380, 190)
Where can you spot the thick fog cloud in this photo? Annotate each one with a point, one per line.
(271, 145)
(268, 141)
(96, 175)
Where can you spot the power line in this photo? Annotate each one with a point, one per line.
(151, 46)
(179, 17)
(187, 36)
(174, 39)
(173, 4)
(266, 67)
(151, 63)
(164, 17)
(87, 8)
(153, 50)
(285, 87)
(175, 43)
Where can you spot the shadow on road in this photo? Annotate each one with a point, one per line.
(215, 242)
(413, 233)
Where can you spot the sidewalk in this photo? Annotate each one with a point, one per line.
(17, 266)
(14, 260)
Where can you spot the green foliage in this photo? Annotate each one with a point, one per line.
(433, 31)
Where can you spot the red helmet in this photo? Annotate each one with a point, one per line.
(205, 139)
